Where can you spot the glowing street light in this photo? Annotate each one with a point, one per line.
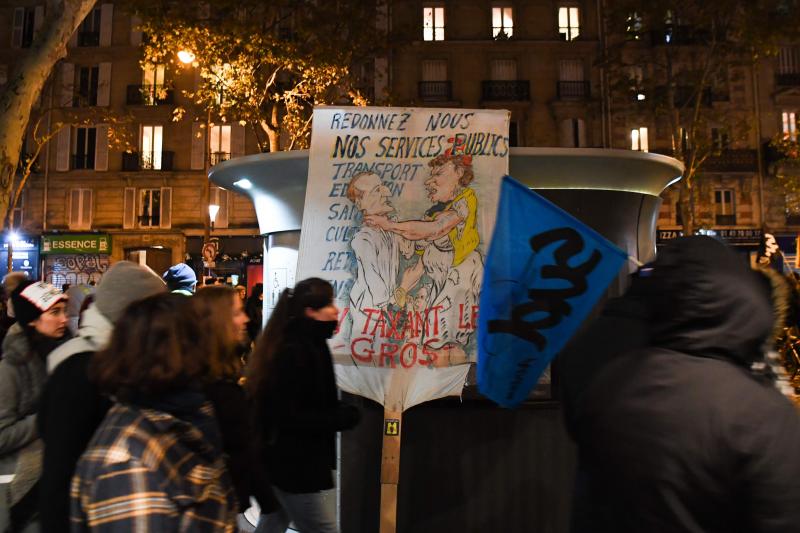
(213, 209)
(186, 57)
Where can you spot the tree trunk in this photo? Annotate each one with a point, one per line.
(686, 205)
(26, 85)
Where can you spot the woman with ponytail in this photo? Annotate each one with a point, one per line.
(297, 411)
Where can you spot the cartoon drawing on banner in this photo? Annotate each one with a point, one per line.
(443, 264)
(399, 209)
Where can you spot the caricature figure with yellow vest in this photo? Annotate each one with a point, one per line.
(447, 241)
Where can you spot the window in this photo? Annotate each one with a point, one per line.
(17, 218)
(89, 30)
(678, 215)
(24, 27)
(433, 23)
(153, 84)
(633, 27)
(635, 79)
(502, 23)
(503, 69)
(573, 133)
(150, 208)
(568, 23)
(719, 139)
(724, 210)
(434, 84)
(152, 139)
(639, 140)
(87, 87)
(571, 83)
(789, 60)
(85, 143)
(80, 209)
(220, 144)
(789, 126)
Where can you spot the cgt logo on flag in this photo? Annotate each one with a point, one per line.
(544, 272)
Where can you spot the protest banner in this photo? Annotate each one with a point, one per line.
(399, 207)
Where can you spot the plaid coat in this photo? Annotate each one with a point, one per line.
(148, 471)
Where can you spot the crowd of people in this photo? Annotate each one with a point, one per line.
(155, 411)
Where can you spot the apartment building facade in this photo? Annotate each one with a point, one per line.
(121, 171)
(143, 188)
(541, 60)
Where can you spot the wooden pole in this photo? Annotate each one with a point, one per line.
(390, 469)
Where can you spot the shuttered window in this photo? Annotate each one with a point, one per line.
(80, 209)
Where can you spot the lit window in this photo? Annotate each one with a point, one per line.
(153, 83)
(220, 143)
(639, 140)
(502, 23)
(152, 139)
(789, 125)
(568, 23)
(433, 23)
(633, 28)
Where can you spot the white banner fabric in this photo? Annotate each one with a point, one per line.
(399, 209)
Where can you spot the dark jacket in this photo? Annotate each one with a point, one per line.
(680, 435)
(71, 410)
(299, 413)
(621, 327)
(254, 309)
(152, 470)
(232, 409)
(22, 378)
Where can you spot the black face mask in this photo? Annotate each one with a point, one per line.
(325, 329)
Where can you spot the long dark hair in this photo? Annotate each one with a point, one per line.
(160, 346)
(315, 293)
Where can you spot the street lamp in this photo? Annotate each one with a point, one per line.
(213, 209)
(187, 57)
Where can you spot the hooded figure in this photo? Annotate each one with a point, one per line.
(72, 407)
(181, 279)
(681, 434)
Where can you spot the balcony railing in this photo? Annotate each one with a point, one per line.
(150, 95)
(83, 161)
(739, 160)
(506, 90)
(790, 79)
(685, 95)
(89, 38)
(147, 161)
(725, 220)
(436, 91)
(219, 157)
(572, 89)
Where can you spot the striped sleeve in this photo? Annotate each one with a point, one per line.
(126, 497)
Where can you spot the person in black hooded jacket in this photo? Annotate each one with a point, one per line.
(680, 435)
(297, 411)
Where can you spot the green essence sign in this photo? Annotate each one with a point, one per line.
(76, 244)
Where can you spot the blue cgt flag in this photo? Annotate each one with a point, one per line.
(544, 272)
